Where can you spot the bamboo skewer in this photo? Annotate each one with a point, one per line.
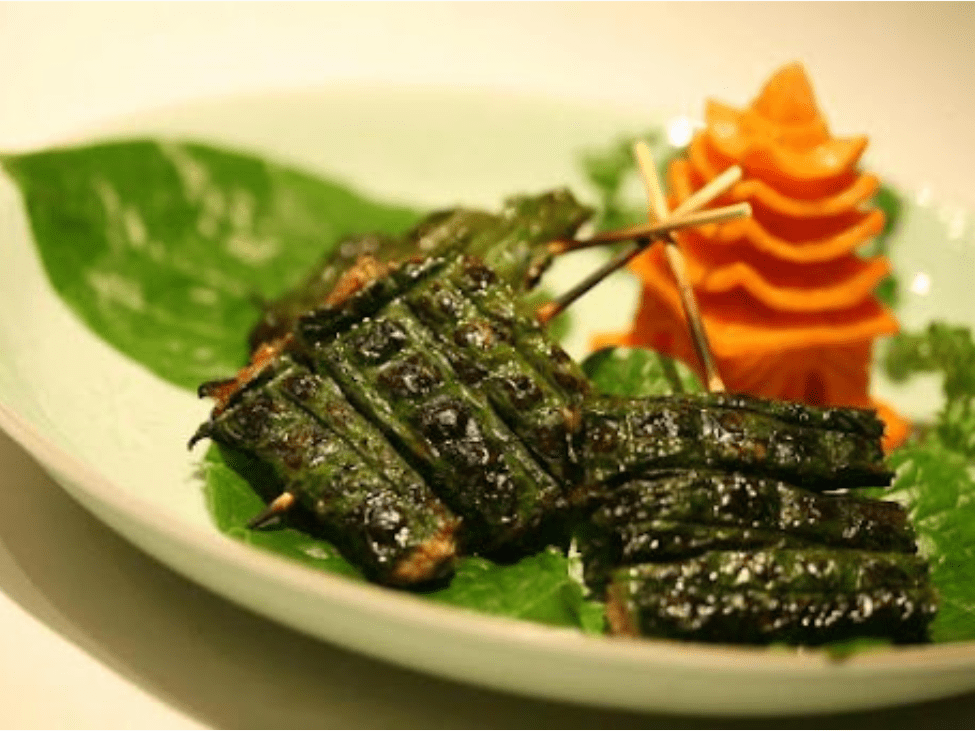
(676, 222)
(656, 201)
(684, 215)
(709, 191)
(281, 504)
(659, 211)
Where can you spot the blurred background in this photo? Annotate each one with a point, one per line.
(94, 634)
(899, 72)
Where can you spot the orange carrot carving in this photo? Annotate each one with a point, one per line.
(787, 303)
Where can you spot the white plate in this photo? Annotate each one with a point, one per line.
(114, 436)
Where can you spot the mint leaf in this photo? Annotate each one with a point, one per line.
(639, 372)
(164, 248)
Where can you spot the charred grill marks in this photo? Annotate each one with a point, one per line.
(512, 242)
(806, 596)
(376, 509)
(449, 431)
(677, 514)
(485, 355)
(626, 437)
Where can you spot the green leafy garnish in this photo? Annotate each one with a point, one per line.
(639, 372)
(539, 588)
(841, 651)
(609, 169)
(935, 483)
(164, 249)
(232, 502)
(889, 201)
(949, 351)
(934, 474)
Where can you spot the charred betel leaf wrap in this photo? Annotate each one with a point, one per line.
(629, 436)
(279, 316)
(677, 514)
(506, 312)
(515, 245)
(455, 437)
(512, 242)
(365, 498)
(390, 367)
(805, 596)
(486, 354)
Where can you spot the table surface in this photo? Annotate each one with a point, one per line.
(93, 633)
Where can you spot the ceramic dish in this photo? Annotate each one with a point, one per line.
(114, 435)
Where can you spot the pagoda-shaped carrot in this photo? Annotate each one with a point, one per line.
(786, 301)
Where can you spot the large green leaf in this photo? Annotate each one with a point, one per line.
(165, 248)
(540, 588)
(233, 502)
(935, 482)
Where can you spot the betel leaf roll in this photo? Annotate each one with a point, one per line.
(733, 499)
(506, 312)
(389, 367)
(515, 247)
(676, 514)
(365, 499)
(279, 316)
(800, 597)
(512, 242)
(485, 355)
(628, 436)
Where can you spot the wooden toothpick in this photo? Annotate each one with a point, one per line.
(659, 211)
(651, 232)
(281, 504)
(676, 222)
(661, 227)
(709, 191)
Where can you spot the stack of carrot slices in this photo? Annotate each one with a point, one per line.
(787, 303)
